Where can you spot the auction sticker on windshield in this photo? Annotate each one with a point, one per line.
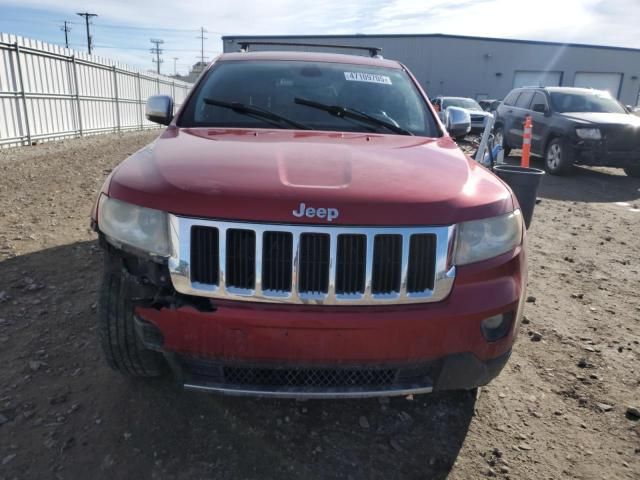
(367, 77)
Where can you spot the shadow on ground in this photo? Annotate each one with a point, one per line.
(587, 184)
(70, 416)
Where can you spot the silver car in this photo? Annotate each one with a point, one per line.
(475, 110)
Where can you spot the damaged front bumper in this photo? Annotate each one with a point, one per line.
(300, 351)
(313, 381)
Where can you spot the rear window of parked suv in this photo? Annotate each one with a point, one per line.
(600, 102)
(388, 94)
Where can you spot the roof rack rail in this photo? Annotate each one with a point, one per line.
(374, 52)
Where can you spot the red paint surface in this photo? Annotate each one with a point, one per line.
(262, 332)
(263, 175)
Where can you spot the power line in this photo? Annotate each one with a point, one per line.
(202, 39)
(87, 16)
(163, 50)
(157, 50)
(66, 29)
(167, 29)
(101, 25)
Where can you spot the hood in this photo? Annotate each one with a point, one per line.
(265, 175)
(597, 118)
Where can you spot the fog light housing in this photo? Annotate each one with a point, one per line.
(497, 326)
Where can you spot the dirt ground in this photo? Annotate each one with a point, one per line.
(559, 409)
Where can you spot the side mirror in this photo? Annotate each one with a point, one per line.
(540, 108)
(457, 121)
(159, 109)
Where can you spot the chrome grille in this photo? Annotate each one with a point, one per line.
(312, 264)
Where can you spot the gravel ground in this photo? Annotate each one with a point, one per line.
(559, 410)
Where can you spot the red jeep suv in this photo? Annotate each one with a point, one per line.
(306, 227)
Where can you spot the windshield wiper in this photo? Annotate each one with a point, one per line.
(256, 112)
(347, 112)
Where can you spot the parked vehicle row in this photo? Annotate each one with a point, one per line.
(571, 126)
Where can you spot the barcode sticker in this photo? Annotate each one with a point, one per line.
(367, 77)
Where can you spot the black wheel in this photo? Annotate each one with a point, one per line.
(633, 171)
(498, 139)
(557, 158)
(121, 346)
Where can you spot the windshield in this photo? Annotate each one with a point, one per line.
(597, 101)
(384, 93)
(467, 103)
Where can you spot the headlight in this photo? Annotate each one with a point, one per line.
(143, 228)
(589, 133)
(482, 239)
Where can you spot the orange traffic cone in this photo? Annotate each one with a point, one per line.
(526, 143)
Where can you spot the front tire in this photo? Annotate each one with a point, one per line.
(557, 158)
(633, 171)
(122, 348)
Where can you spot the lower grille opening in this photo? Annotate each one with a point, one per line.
(261, 377)
(308, 377)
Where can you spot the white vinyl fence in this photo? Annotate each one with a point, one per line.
(49, 92)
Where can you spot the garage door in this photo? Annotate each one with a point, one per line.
(600, 81)
(532, 78)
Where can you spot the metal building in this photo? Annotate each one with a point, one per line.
(488, 67)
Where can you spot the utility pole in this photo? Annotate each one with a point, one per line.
(157, 50)
(87, 17)
(66, 29)
(202, 39)
(175, 59)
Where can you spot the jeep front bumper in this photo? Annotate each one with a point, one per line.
(307, 351)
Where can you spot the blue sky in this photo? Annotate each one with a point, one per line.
(124, 27)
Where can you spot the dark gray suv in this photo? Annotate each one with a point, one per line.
(571, 126)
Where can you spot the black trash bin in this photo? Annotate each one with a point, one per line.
(524, 182)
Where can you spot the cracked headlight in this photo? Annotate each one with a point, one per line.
(139, 227)
(479, 240)
(589, 133)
